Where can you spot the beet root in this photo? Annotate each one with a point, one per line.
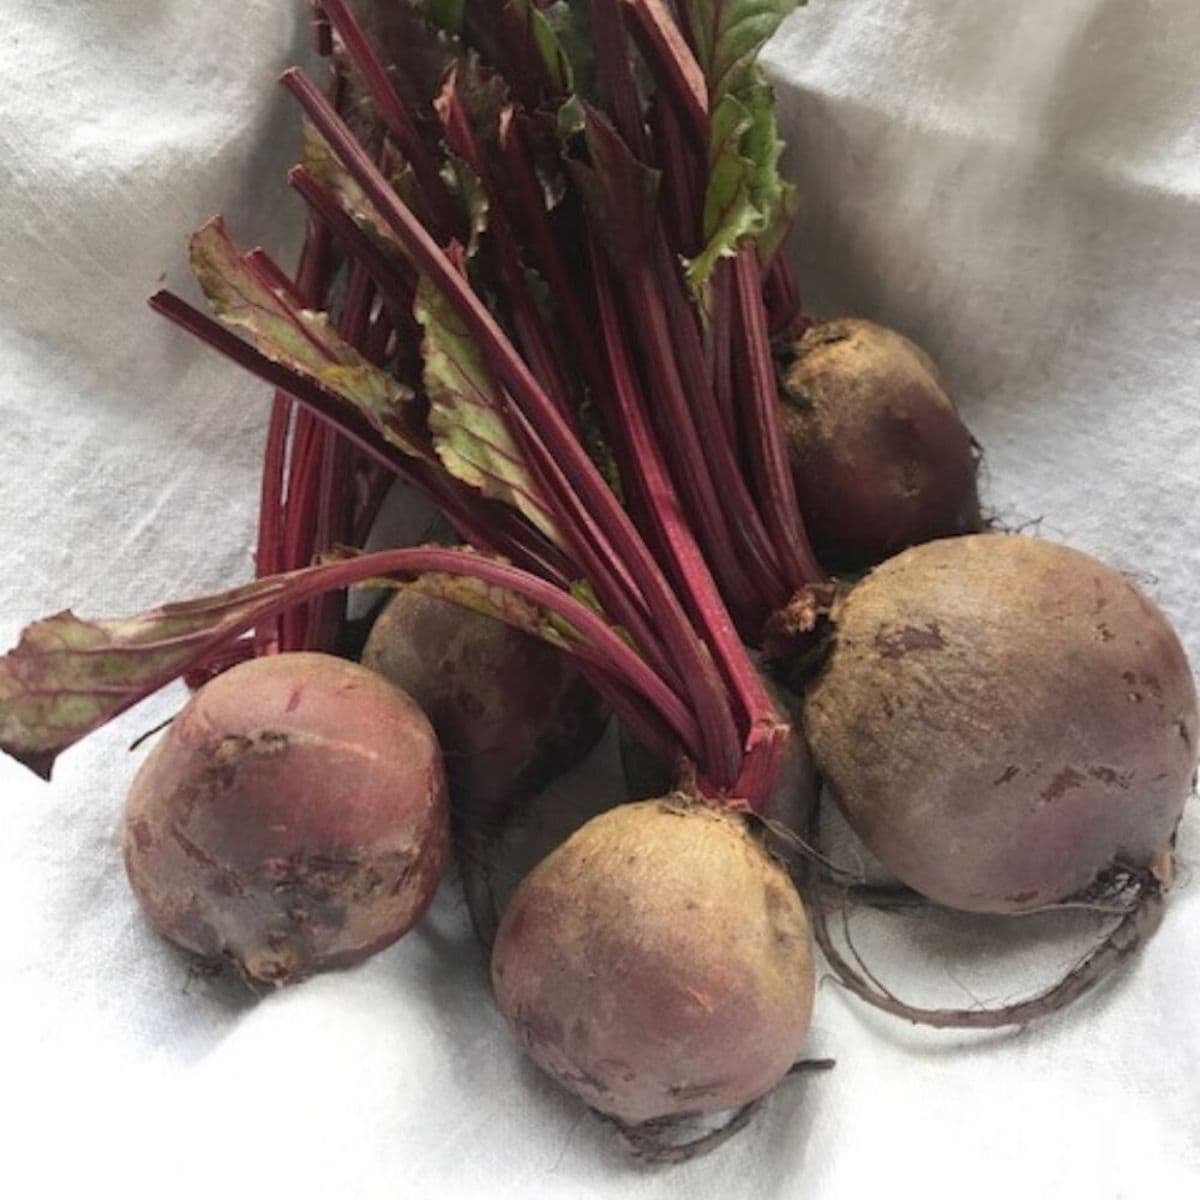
(1005, 722)
(293, 817)
(880, 458)
(510, 712)
(658, 964)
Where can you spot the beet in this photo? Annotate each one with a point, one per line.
(658, 963)
(879, 456)
(510, 711)
(1004, 720)
(293, 817)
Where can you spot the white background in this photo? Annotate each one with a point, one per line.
(1016, 185)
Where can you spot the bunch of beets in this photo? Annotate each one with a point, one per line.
(544, 283)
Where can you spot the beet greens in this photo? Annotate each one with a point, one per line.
(527, 222)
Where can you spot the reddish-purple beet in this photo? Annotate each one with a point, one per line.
(880, 458)
(658, 963)
(510, 711)
(1003, 720)
(293, 817)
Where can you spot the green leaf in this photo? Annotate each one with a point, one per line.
(728, 35)
(326, 168)
(446, 14)
(68, 676)
(555, 63)
(745, 197)
(300, 339)
(467, 419)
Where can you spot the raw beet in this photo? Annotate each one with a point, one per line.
(880, 458)
(510, 712)
(1003, 720)
(293, 817)
(658, 963)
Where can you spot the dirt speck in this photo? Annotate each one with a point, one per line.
(909, 639)
(142, 835)
(1067, 779)
(1107, 775)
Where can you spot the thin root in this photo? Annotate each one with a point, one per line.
(1134, 894)
(1141, 918)
(809, 1066)
(142, 738)
(796, 845)
(650, 1142)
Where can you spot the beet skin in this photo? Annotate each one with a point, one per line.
(1003, 720)
(658, 963)
(293, 817)
(510, 712)
(880, 458)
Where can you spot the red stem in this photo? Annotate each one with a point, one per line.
(311, 281)
(754, 545)
(637, 716)
(619, 595)
(681, 182)
(786, 317)
(387, 274)
(672, 61)
(511, 371)
(392, 109)
(614, 72)
(759, 400)
(674, 532)
(599, 647)
(300, 514)
(533, 335)
(687, 455)
(487, 527)
(604, 650)
(719, 349)
(563, 283)
(334, 497)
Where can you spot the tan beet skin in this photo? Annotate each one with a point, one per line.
(879, 455)
(1003, 719)
(658, 963)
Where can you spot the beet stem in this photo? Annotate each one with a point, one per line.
(614, 71)
(759, 400)
(674, 64)
(579, 470)
(388, 275)
(396, 117)
(487, 528)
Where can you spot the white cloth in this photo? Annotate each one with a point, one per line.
(1016, 185)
